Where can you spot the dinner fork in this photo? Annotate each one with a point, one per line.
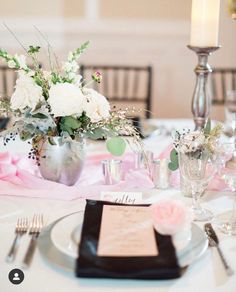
(20, 229)
(35, 229)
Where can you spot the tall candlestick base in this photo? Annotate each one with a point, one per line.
(201, 102)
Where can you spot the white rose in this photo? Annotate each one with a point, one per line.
(21, 60)
(66, 99)
(97, 106)
(27, 93)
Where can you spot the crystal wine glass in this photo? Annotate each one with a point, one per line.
(198, 169)
(227, 221)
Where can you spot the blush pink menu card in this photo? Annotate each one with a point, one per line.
(126, 231)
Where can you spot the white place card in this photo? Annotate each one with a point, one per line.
(122, 197)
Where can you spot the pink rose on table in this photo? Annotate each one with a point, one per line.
(170, 217)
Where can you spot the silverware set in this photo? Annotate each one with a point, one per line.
(22, 227)
(214, 242)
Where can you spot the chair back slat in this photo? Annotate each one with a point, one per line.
(136, 83)
(222, 81)
(233, 80)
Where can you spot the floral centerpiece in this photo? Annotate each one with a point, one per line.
(56, 110)
(195, 144)
(195, 154)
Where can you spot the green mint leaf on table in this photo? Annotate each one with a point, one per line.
(116, 146)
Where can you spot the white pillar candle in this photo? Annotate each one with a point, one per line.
(205, 23)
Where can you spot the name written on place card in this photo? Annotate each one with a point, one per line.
(126, 231)
(122, 197)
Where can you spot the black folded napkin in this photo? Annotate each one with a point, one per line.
(89, 264)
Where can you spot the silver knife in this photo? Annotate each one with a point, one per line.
(214, 242)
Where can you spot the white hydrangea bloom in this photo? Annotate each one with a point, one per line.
(97, 106)
(27, 93)
(66, 99)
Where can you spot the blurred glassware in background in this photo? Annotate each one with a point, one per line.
(161, 173)
(226, 221)
(143, 159)
(230, 113)
(112, 171)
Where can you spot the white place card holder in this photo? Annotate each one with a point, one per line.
(122, 197)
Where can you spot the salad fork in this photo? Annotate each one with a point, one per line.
(35, 229)
(20, 229)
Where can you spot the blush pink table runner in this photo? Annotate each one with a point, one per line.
(20, 177)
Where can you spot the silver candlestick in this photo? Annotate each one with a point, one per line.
(201, 101)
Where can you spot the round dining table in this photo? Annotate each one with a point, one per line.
(205, 274)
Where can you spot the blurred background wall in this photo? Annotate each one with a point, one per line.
(135, 32)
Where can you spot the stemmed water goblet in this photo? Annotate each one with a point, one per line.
(197, 169)
(230, 114)
(226, 221)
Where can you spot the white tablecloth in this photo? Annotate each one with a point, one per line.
(206, 274)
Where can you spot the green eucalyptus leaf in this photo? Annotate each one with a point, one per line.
(207, 128)
(39, 116)
(173, 166)
(174, 155)
(69, 124)
(116, 146)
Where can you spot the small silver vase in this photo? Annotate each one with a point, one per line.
(62, 162)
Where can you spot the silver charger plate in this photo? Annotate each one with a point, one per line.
(59, 259)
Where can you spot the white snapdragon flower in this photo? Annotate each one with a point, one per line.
(27, 93)
(66, 99)
(47, 75)
(97, 106)
(18, 60)
(71, 66)
(70, 56)
(11, 64)
(21, 61)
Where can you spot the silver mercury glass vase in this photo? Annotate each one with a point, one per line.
(62, 162)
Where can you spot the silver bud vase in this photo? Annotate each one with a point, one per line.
(62, 162)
